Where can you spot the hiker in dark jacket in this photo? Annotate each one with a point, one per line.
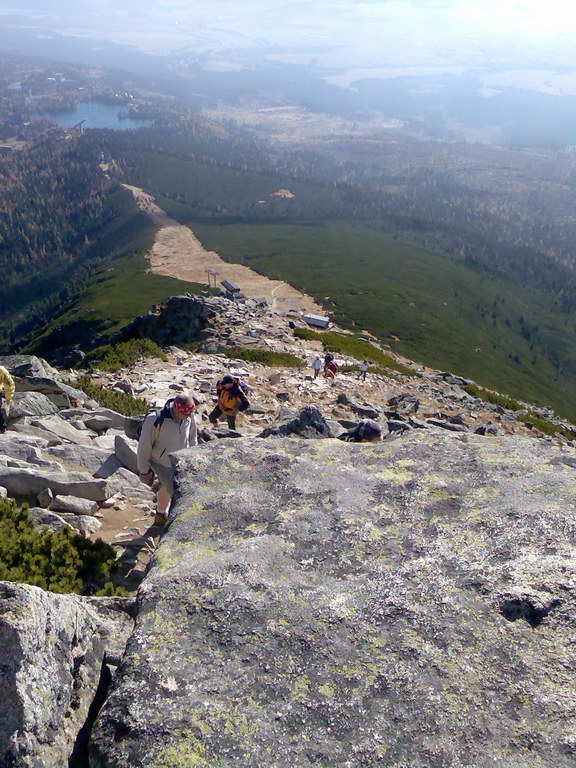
(163, 433)
(231, 400)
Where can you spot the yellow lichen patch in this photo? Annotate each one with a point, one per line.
(188, 752)
(327, 690)
(396, 476)
(170, 555)
(300, 687)
(195, 510)
(256, 528)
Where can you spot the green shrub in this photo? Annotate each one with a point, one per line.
(354, 347)
(492, 397)
(266, 357)
(59, 561)
(547, 427)
(121, 402)
(114, 357)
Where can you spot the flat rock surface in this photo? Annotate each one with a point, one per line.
(316, 603)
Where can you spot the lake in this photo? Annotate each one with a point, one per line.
(97, 116)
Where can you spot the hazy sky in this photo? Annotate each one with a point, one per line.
(513, 35)
(529, 20)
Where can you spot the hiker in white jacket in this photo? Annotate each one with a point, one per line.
(163, 433)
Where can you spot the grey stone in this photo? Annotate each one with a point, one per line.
(23, 365)
(89, 458)
(62, 429)
(20, 446)
(50, 387)
(125, 450)
(74, 505)
(85, 525)
(118, 420)
(31, 404)
(29, 482)
(316, 601)
(308, 423)
(23, 427)
(45, 498)
(397, 426)
(3, 492)
(42, 518)
(52, 648)
(447, 425)
(99, 423)
(405, 403)
(367, 411)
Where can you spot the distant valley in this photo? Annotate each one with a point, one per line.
(455, 255)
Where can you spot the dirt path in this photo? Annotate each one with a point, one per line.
(177, 252)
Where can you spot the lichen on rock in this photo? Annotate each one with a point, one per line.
(316, 603)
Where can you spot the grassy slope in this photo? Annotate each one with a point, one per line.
(439, 310)
(433, 305)
(121, 288)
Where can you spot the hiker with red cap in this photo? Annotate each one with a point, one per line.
(164, 432)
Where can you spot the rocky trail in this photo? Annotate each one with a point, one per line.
(310, 602)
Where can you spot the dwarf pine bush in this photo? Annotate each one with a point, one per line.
(113, 357)
(121, 402)
(58, 561)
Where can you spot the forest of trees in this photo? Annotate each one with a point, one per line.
(55, 203)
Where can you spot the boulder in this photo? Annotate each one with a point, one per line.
(74, 505)
(99, 423)
(117, 419)
(447, 425)
(125, 451)
(31, 404)
(23, 427)
(308, 423)
(45, 498)
(398, 427)
(367, 411)
(52, 652)
(24, 365)
(89, 458)
(42, 518)
(20, 446)
(314, 603)
(85, 525)
(30, 482)
(56, 425)
(405, 403)
(50, 387)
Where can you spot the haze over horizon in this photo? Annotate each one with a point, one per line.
(518, 36)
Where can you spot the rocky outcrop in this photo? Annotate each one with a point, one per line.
(53, 650)
(308, 423)
(180, 319)
(316, 603)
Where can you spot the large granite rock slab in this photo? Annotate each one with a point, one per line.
(31, 404)
(89, 458)
(24, 365)
(58, 426)
(316, 603)
(52, 648)
(23, 482)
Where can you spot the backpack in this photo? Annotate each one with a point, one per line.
(160, 416)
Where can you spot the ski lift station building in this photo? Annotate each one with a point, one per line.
(317, 321)
(230, 286)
